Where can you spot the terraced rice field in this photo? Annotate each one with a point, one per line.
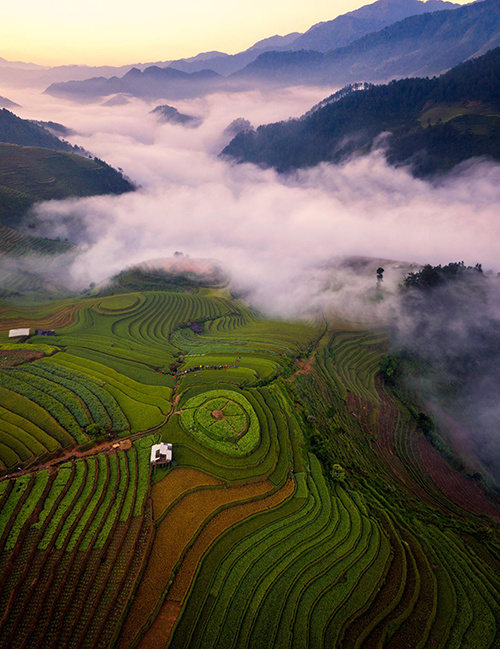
(72, 542)
(222, 420)
(303, 508)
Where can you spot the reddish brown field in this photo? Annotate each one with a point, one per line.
(13, 318)
(455, 486)
(182, 523)
(159, 632)
(13, 357)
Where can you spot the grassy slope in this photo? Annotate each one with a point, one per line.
(31, 174)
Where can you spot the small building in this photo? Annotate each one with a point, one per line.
(161, 453)
(19, 333)
(45, 332)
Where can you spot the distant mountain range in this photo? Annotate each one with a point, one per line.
(421, 45)
(353, 25)
(324, 36)
(428, 124)
(153, 82)
(321, 37)
(424, 43)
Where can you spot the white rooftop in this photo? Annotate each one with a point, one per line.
(161, 453)
(17, 333)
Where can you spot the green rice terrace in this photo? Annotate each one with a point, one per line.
(303, 506)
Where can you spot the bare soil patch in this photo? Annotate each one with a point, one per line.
(13, 357)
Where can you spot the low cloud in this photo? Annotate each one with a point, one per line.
(272, 231)
(283, 239)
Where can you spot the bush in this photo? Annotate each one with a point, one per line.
(95, 431)
(337, 473)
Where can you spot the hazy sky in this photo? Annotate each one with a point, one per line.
(114, 32)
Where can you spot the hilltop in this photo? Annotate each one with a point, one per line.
(14, 130)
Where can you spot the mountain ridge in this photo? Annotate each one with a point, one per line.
(420, 45)
(434, 124)
(424, 44)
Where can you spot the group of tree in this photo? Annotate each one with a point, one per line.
(446, 345)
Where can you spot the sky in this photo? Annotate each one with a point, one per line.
(118, 32)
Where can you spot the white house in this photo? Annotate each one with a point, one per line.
(161, 453)
(19, 333)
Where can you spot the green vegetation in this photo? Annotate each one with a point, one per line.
(23, 132)
(304, 506)
(61, 531)
(222, 420)
(157, 279)
(29, 174)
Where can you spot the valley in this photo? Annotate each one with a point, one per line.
(249, 316)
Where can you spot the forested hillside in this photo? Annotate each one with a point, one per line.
(433, 123)
(14, 130)
(36, 166)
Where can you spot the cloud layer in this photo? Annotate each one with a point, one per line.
(268, 230)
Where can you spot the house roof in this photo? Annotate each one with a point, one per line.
(16, 333)
(161, 453)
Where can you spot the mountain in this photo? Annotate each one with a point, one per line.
(430, 124)
(7, 103)
(420, 45)
(21, 65)
(351, 26)
(275, 42)
(14, 130)
(36, 165)
(21, 75)
(323, 36)
(59, 130)
(150, 83)
(31, 174)
(226, 64)
(170, 115)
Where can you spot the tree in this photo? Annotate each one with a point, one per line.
(95, 430)
(337, 473)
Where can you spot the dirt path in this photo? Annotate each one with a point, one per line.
(72, 452)
(306, 366)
